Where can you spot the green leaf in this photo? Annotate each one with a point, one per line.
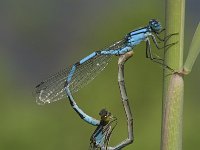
(193, 51)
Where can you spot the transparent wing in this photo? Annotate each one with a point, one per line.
(52, 89)
(101, 136)
(87, 71)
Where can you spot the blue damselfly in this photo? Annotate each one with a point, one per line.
(74, 77)
(79, 74)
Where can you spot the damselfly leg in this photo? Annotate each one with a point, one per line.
(166, 38)
(156, 59)
(165, 46)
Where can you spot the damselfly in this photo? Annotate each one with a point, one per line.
(71, 79)
(101, 136)
(81, 73)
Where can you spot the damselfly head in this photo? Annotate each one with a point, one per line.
(105, 115)
(101, 136)
(155, 25)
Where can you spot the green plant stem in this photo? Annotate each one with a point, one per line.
(172, 114)
(173, 84)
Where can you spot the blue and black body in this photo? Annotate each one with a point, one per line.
(101, 136)
(71, 79)
(74, 77)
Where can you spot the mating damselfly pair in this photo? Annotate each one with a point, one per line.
(74, 77)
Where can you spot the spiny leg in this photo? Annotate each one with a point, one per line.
(165, 46)
(156, 60)
(165, 38)
(162, 30)
(159, 38)
(169, 36)
(149, 52)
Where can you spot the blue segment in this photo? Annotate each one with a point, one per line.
(87, 118)
(125, 50)
(98, 136)
(136, 39)
(100, 139)
(142, 30)
(110, 52)
(117, 52)
(88, 57)
(83, 115)
(69, 77)
(139, 37)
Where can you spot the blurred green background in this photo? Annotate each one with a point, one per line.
(40, 37)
